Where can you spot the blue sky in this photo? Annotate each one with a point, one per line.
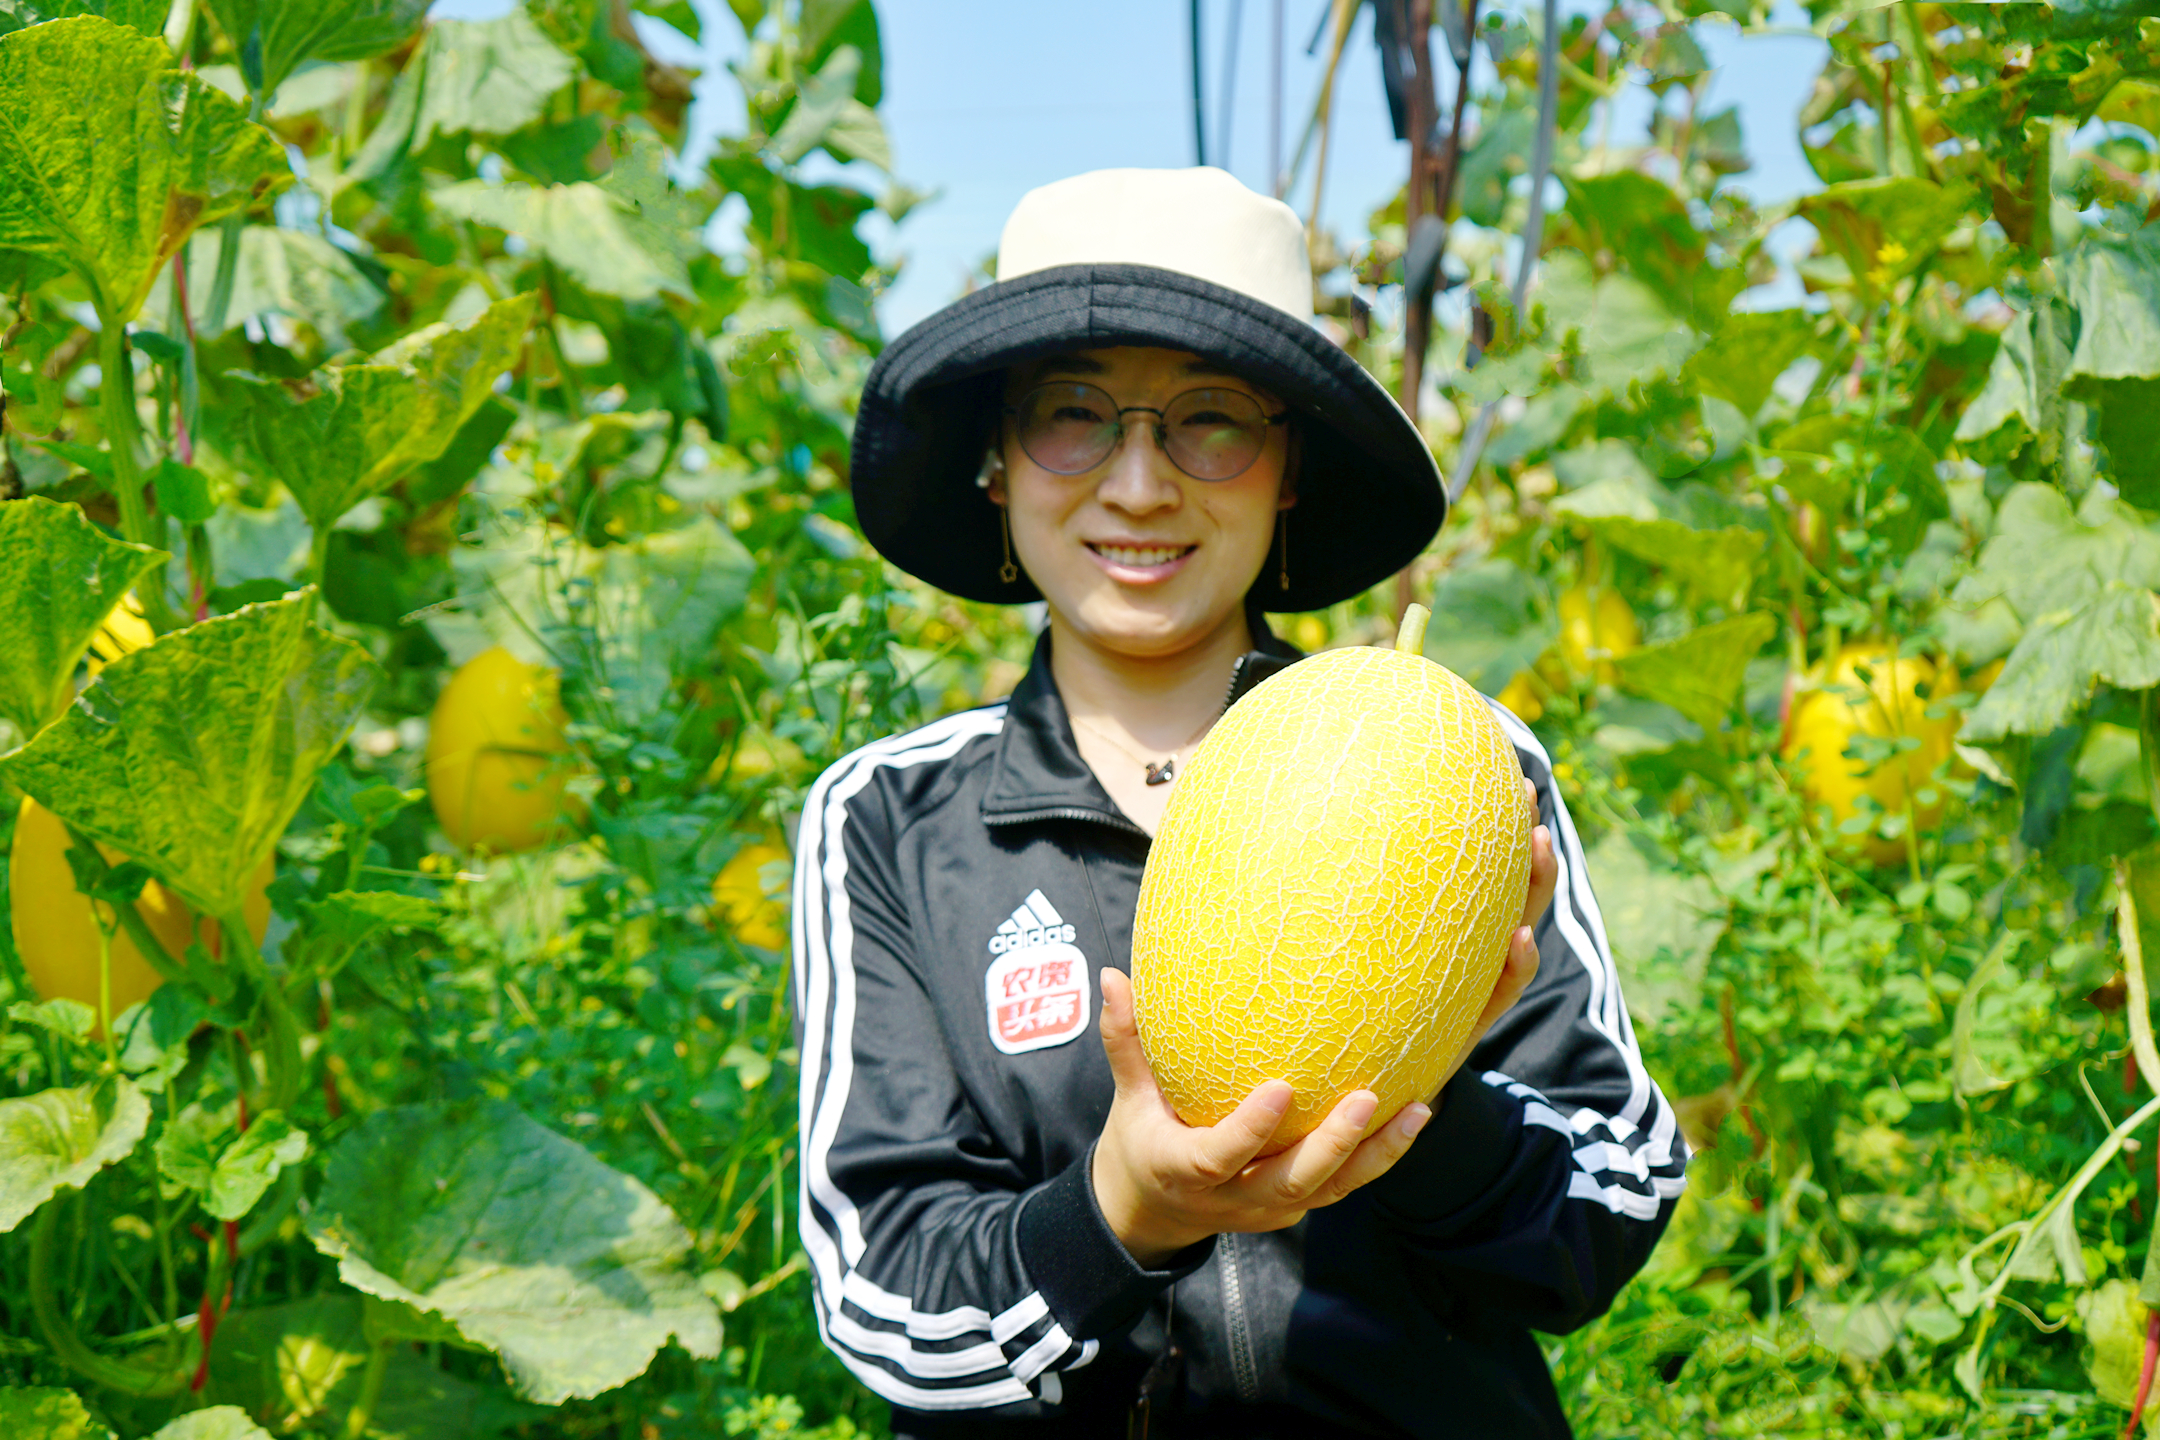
(985, 99)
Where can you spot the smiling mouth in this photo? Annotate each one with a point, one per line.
(1142, 557)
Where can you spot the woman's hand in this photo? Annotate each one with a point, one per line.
(1164, 1185)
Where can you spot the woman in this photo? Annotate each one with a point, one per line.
(1010, 1231)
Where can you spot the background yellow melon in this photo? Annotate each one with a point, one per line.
(1871, 690)
(497, 772)
(58, 939)
(1330, 896)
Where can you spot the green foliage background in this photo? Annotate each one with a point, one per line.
(467, 366)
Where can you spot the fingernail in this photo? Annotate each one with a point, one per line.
(1359, 1112)
(1278, 1099)
(1414, 1118)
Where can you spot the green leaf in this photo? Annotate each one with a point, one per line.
(154, 1035)
(148, 16)
(275, 37)
(187, 1148)
(219, 1422)
(2114, 281)
(110, 156)
(2114, 1325)
(234, 716)
(294, 273)
(286, 1363)
(2044, 558)
(248, 1166)
(61, 1138)
(632, 235)
(568, 1270)
(827, 113)
(183, 492)
(487, 77)
(662, 599)
(1884, 228)
(2022, 401)
(2113, 638)
(1986, 1036)
(1747, 354)
(1700, 673)
(46, 1414)
(1662, 924)
(1716, 565)
(354, 429)
(60, 576)
(71, 1020)
(1490, 621)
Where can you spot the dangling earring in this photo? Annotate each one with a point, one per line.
(1282, 533)
(1009, 572)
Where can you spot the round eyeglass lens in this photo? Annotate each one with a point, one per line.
(1214, 434)
(1068, 428)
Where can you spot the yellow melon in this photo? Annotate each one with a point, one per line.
(1889, 702)
(1596, 630)
(57, 936)
(498, 767)
(751, 898)
(1330, 896)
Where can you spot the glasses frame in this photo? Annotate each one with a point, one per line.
(1162, 430)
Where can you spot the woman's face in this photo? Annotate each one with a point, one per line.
(1134, 554)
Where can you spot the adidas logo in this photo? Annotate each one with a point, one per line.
(1036, 922)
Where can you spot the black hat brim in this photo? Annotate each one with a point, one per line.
(1370, 497)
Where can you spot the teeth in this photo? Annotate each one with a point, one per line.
(1132, 555)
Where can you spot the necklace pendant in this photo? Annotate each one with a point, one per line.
(1163, 773)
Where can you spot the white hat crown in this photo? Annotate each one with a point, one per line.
(1201, 222)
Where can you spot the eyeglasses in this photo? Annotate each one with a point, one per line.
(1069, 428)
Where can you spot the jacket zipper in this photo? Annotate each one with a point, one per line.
(1067, 813)
(1243, 1372)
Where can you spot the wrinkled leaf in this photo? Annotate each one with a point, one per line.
(219, 1422)
(187, 1148)
(1489, 621)
(154, 1034)
(2115, 283)
(110, 155)
(1700, 673)
(274, 37)
(295, 273)
(71, 1020)
(2113, 638)
(248, 1166)
(1748, 353)
(661, 600)
(488, 77)
(2043, 558)
(1662, 925)
(47, 1414)
(1715, 565)
(1985, 1052)
(568, 1270)
(234, 715)
(2022, 400)
(1885, 227)
(60, 576)
(285, 1363)
(59, 1139)
(2114, 1325)
(363, 426)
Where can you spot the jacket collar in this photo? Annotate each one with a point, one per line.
(1039, 774)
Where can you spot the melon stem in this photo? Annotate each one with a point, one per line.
(1410, 640)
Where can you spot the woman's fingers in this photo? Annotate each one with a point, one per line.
(1544, 875)
(1220, 1151)
(1121, 1037)
(1291, 1178)
(1516, 973)
(1375, 1156)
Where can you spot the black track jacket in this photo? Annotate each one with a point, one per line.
(958, 890)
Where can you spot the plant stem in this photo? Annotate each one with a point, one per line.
(1410, 639)
(123, 436)
(66, 1345)
(2133, 948)
(371, 1382)
(281, 1048)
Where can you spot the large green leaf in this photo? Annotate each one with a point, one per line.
(60, 576)
(1885, 227)
(1715, 565)
(2022, 401)
(488, 77)
(349, 431)
(660, 600)
(631, 235)
(1748, 353)
(59, 1139)
(274, 37)
(110, 155)
(285, 1363)
(2112, 638)
(2114, 281)
(45, 1414)
(2045, 558)
(568, 1270)
(192, 755)
(1490, 621)
(218, 1422)
(1700, 673)
(286, 272)
(251, 1163)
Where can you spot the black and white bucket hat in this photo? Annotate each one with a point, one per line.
(1181, 259)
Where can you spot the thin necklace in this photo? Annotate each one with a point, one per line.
(1159, 772)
